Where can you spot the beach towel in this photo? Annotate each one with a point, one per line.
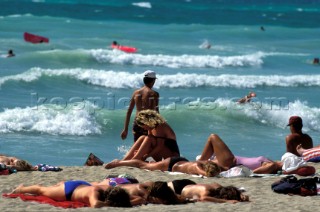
(47, 200)
(4, 172)
(122, 178)
(302, 171)
(237, 171)
(312, 155)
(292, 162)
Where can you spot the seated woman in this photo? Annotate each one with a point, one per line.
(16, 163)
(96, 196)
(213, 192)
(159, 143)
(175, 164)
(220, 153)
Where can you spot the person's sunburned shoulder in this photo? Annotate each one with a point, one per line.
(293, 136)
(138, 91)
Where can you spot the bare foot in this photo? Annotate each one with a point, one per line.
(112, 164)
(300, 150)
(17, 190)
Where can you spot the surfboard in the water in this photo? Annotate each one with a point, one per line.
(127, 49)
(35, 38)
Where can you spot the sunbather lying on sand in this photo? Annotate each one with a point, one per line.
(175, 164)
(213, 192)
(16, 163)
(218, 152)
(206, 166)
(81, 191)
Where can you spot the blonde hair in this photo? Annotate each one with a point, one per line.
(149, 118)
(212, 169)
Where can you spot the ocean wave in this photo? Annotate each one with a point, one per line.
(180, 61)
(83, 56)
(271, 113)
(110, 79)
(142, 4)
(50, 119)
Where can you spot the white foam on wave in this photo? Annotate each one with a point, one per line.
(279, 115)
(49, 119)
(275, 113)
(19, 15)
(142, 4)
(181, 61)
(110, 79)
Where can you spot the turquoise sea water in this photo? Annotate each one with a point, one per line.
(64, 99)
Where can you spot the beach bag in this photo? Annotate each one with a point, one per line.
(45, 167)
(291, 185)
(93, 160)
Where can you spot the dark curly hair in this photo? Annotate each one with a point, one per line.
(115, 197)
(227, 193)
(162, 191)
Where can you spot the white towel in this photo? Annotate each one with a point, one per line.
(291, 162)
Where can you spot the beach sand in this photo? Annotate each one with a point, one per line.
(262, 198)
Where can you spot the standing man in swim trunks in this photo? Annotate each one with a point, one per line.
(297, 137)
(143, 99)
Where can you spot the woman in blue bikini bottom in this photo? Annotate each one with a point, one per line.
(80, 191)
(70, 186)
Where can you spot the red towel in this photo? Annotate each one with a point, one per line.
(47, 200)
(4, 172)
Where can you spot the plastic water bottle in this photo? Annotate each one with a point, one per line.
(318, 188)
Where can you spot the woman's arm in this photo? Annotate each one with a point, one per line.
(137, 200)
(217, 200)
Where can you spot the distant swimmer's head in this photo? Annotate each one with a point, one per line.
(252, 94)
(149, 118)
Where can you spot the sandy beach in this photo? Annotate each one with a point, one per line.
(262, 198)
